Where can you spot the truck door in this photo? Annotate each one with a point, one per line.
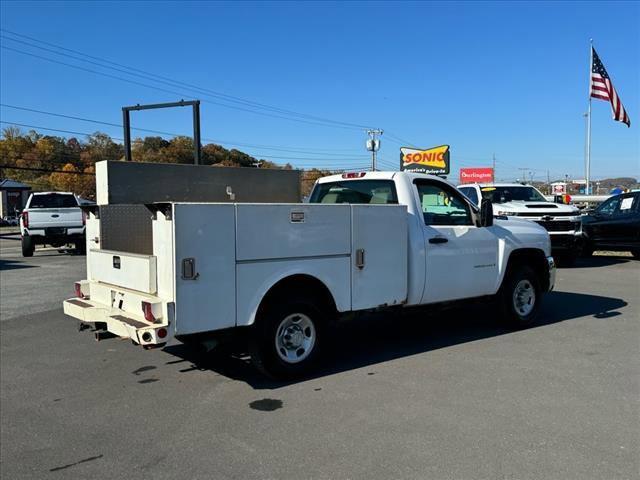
(461, 258)
(625, 221)
(602, 228)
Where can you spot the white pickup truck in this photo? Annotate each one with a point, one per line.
(284, 272)
(52, 218)
(515, 200)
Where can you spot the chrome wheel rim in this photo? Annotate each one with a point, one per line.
(295, 338)
(524, 298)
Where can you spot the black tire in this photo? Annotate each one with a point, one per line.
(587, 250)
(28, 246)
(269, 326)
(566, 259)
(518, 277)
(80, 247)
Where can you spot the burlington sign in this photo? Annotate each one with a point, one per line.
(476, 175)
(433, 160)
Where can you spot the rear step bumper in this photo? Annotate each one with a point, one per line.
(119, 323)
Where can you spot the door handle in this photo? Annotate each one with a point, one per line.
(438, 240)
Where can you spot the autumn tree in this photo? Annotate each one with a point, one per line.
(66, 180)
(54, 163)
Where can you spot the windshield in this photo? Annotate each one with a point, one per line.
(355, 191)
(512, 194)
(53, 200)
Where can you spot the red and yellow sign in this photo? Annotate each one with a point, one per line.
(433, 160)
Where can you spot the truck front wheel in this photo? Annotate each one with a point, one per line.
(287, 337)
(28, 246)
(520, 297)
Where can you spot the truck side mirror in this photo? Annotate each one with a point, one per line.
(486, 213)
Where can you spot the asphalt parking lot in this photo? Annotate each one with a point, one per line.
(447, 396)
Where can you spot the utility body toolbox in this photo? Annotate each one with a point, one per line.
(212, 263)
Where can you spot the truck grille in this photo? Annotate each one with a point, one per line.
(554, 214)
(560, 226)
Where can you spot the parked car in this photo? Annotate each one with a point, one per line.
(283, 273)
(52, 218)
(8, 222)
(614, 225)
(514, 200)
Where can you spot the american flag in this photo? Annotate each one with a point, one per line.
(602, 88)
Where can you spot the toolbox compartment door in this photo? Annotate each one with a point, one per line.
(123, 269)
(205, 267)
(269, 231)
(379, 270)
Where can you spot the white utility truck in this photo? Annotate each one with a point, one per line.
(52, 218)
(284, 272)
(515, 200)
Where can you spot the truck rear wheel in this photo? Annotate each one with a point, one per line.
(27, 246)
(520, 297)
(287, 337)
(80, 247)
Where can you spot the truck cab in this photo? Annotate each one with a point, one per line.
(515, 200)
(451, 255)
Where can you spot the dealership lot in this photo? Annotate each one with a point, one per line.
(451, 395)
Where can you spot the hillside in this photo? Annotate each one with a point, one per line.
(55, 163)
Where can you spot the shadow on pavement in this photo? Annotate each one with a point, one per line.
(599, 261)
(14, 265)
(10, 236)
(377, 338)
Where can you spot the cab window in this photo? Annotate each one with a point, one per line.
(355, 191)
(628, 205)
(608, 208)
(442, 205)
(471, 193)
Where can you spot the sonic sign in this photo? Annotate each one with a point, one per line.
(433, 160)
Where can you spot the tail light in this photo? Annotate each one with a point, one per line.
(78, 289)
(162, 333)
(25, 219)
(148, 312)
(354, 175)
(84, 218)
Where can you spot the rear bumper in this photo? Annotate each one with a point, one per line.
(42, 235)
(117, 322)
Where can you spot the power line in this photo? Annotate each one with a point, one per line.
(180, 94)
(172, 82)
(399, 141)
(217, 141)
(33, 169)
(25, 125)
(276, 157)
(318, 121)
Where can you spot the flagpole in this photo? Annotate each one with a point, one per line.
(587, 188)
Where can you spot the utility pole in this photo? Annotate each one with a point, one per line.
(373, 145)
(494, 167)
(524, 173)
(549, 182)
